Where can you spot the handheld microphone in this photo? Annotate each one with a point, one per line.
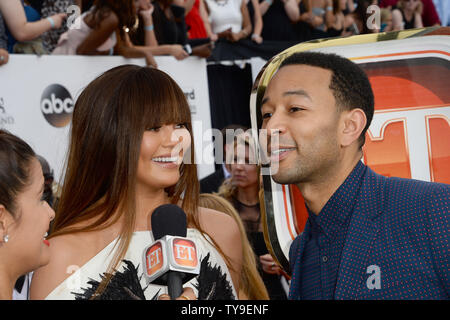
(172, 259)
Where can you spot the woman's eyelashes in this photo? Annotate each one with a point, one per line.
(176, 126)
(181, 125)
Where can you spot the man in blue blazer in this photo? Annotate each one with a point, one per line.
(367, 236)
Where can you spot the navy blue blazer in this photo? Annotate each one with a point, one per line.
(397, 243)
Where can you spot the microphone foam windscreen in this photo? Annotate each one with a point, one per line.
(168, 219)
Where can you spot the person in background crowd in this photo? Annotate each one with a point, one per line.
(251, 284)
(197, 20)
(314, 14)
(242, 191)
(24, 215)
(4, 56)
(407, 15)
(127, 156)
(337, 23)
(279, 18)
(101, 31)
(359, 18)
(170, 28)
(256, 20)
(48, 8)
(229, 19)
(212, 182)
(386, 20)
(430, 16)
(21, 30)
(143, 38)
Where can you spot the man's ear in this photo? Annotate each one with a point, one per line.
(354, 121)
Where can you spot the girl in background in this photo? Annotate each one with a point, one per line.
(24, 214)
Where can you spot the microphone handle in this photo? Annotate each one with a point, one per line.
(175, 284)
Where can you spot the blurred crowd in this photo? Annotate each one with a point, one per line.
(145, 28)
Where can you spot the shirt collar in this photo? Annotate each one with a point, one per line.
(339, 207)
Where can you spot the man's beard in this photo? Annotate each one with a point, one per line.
(308, 165)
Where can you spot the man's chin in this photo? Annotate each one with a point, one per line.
(282, 178)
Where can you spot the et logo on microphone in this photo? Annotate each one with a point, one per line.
(170, 253)
(184, 253)
(154, 258)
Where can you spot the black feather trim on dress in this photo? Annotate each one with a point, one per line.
(122, 286)
(212, 283)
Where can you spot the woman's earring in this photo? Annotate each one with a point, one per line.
(5, 238)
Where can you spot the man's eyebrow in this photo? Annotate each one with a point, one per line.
(299, 92)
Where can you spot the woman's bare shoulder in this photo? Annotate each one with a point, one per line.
(225, 232)
(217, 222)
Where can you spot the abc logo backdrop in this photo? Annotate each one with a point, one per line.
(57, 105)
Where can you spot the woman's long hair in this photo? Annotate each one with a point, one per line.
(109, 119)
(251, 283)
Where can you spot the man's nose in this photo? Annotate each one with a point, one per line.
(276, 125)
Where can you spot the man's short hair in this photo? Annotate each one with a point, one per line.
(349, 83)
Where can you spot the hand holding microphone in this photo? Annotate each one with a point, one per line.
(172, 259)
(188, 294)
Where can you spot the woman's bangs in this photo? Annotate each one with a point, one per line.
(165, 103)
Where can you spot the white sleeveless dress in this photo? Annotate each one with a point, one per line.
(128, 283)
(224, 14)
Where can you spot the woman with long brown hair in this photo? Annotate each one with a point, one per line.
(130, 152)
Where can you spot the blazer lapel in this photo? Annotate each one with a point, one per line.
(361, 233)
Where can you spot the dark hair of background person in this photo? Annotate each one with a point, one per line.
(15, 160)
(124, 10)
(350, 86)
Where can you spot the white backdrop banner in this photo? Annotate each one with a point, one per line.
(37, 95)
